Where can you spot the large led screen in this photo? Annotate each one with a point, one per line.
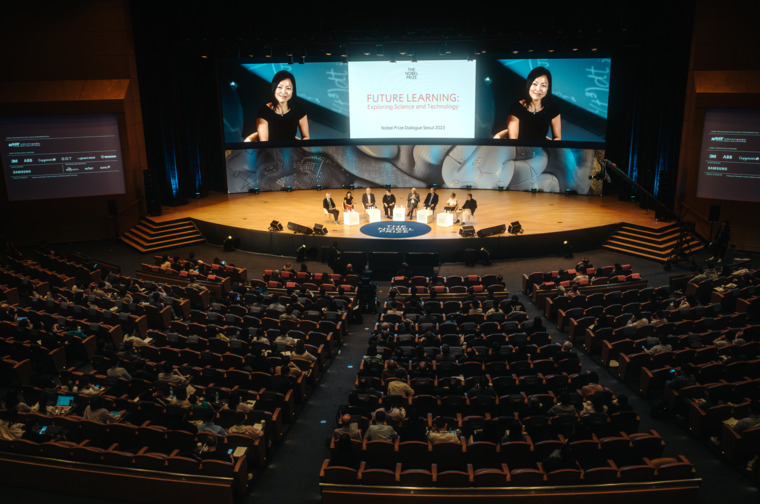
(471, 101)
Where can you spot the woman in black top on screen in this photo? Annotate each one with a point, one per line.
(531, 117)
(283, 116)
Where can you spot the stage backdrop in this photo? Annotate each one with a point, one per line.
(550, 169)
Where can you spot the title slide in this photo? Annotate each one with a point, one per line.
(729, 165)
(425, 99)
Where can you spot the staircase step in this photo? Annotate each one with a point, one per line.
(149, 236)
(642, 241)
(658, 257)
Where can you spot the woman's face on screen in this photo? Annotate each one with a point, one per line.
(284, 91)
(539, 87)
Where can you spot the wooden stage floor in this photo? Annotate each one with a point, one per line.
(537, 212)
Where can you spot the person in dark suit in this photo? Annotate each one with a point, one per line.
(431, 200)
(469, 207)
(368, 200)
(329, 205)
(389, 203)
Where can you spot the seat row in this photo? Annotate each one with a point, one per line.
(502, 476)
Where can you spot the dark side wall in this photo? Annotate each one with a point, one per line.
(724, 73)
(69, 58)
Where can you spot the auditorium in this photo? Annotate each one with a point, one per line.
(326, 254)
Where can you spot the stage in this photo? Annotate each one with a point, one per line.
(547, 219)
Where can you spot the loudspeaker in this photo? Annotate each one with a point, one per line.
(320, 230)
(152, 193)
(493, 230)
(714, 215)
(515, 227)
(470, 257)
(467, 231)
(297, 228)
(275, 226)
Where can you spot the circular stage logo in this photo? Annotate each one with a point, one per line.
(399, 229)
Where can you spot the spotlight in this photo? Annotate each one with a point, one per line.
(502, 188)
(320, 230)
(318, 187)
(301, 253)
(534, 190)
(432, 186)
(254, 190)
(567, 249)
(275, 226)
(485, 256)
(288, 188)
(515, 228)
(387, 186)
(571, 192)
(230, 244)
(468, 187)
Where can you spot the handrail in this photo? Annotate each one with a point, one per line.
(697, 214)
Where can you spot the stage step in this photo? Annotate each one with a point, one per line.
(650, 243)
(150, 236)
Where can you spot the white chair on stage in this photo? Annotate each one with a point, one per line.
(467, 217)
(424, 215)
(445, 219)
(373, 215)
(351, 218)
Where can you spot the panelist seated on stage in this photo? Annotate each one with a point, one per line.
(451, 203)
(412, 200)
(368, 200)
(329, 205)
(431, 200)
(389, 203)
(468, 207)
(348, 202)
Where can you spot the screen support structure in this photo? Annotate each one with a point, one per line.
(682, 249)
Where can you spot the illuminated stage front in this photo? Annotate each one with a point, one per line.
(547, 219)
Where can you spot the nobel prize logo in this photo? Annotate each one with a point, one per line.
(406, 229)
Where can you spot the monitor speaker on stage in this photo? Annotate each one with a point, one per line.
(493, 230)
(516, 228)
(297, 228)
(320, 230)
(275, 226)
(467, 231)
